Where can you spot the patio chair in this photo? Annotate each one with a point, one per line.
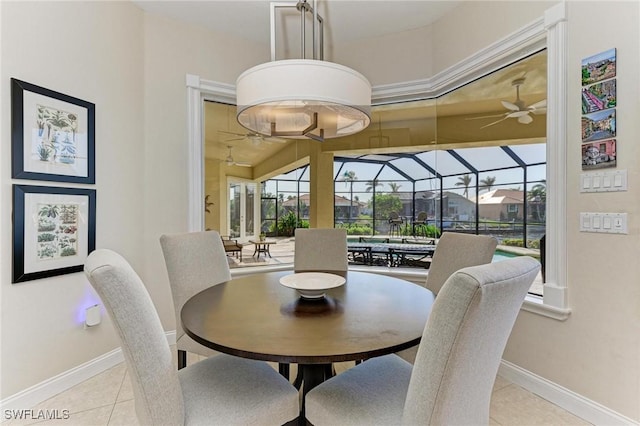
(457, 363)
(395, 224)
(232, 246)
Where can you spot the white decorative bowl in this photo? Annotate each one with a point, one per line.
(312, 285)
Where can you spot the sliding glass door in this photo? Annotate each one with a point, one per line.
(242, 209)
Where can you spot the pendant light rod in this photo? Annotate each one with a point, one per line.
(317, 30)
(303, 98)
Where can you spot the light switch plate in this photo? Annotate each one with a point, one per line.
(607, 223)
(604, 181)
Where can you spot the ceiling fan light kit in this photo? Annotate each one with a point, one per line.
(303, 98)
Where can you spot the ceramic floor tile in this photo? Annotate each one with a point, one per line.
(126, 390)
(94, 417)
(500, 383)
(95, 392)
(513, 405)
(124, 414)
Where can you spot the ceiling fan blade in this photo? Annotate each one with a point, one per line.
(232, 133)
(525, 119)
(485, 116)
(274, 139)
(235, 139)
(510, 106)
(495, 122)
(241, 164)
(539, 111)
(517, 114)
(538, 105)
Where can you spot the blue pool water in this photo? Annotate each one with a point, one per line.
(502, 255)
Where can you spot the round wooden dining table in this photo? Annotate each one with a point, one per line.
(256, 317)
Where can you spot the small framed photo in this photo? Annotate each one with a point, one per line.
(54, 230)
(53, 135)
(599, 67)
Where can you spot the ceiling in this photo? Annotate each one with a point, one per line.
(345, 20)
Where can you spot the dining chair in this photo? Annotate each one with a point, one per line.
(320, 250)
(457, 362)
(220, 390)
(195, 261)
(454, 251)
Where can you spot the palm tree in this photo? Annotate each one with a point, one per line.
(372, 184)
(488, 182)
(538, 195)
(348, 177)
(395, 188)
(465, 181)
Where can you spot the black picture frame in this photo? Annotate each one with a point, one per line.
(54, 230)
(53, 135)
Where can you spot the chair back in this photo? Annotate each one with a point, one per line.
(463, 342)
(195, 261)
(320, 250)
(456, 251)
(157, 391)
(422, 217)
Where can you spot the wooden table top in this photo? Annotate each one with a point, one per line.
(257, 317)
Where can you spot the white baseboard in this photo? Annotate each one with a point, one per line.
(574, 403)
(34, 395)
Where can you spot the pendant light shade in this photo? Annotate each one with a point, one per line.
(303, 98)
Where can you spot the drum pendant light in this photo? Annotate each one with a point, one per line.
(303, 98)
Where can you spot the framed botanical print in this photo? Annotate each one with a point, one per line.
(54, 230)
(53, 135)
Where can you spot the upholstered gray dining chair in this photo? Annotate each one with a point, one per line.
(220, 390)
(320, 250)
(195, 261)
(457, 362)
(454, 251)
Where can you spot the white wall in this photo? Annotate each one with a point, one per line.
(596, 352)
(136, 77)
(72, 48)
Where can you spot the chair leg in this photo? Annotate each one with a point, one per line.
(283, 369)
(182, 359)
(297, 383)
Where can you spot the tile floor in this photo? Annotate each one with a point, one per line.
(107, 400)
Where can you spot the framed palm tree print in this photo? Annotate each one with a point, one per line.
(53, 135)
(54, 230)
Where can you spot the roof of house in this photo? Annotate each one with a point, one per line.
(502, 196)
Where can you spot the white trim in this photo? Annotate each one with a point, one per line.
(518, 45)
(197, 91)
(570, 401)
(555, 287)
(42, 391)
(34, 395)
(535, 304)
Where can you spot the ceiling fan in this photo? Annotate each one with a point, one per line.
(517, 109)
(254, 138)
(231, 162)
